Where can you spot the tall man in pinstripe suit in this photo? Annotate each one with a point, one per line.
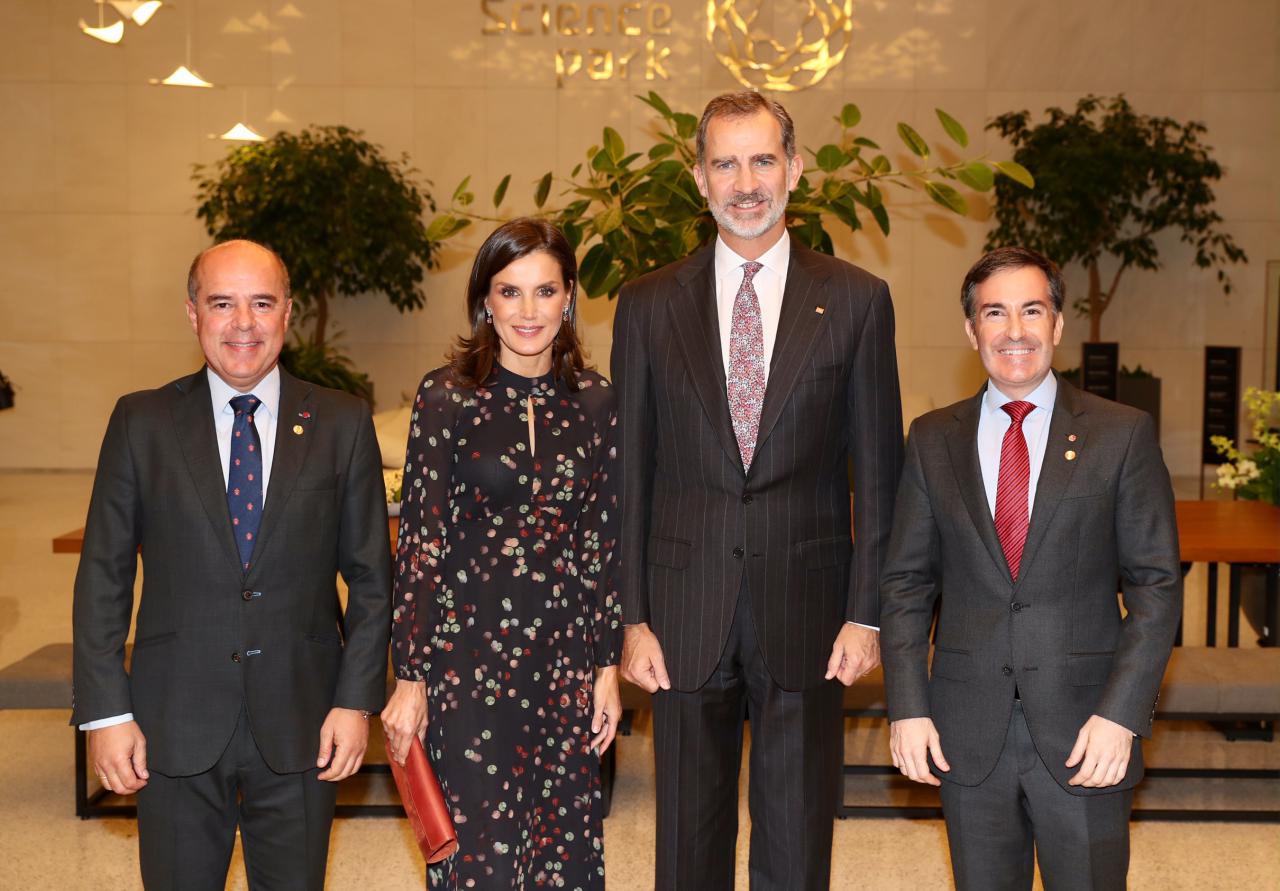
(749, 376)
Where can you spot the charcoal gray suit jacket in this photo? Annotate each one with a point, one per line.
(1103, 520)
(695, 522)
(212, 638)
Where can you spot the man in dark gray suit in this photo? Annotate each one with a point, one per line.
(749, 376)
(250, 688)
(1019, 511)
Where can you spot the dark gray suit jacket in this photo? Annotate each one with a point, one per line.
(695, 522)
(1057, 633)
(159, 487)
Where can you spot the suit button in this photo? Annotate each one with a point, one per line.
(1016, 607)
(247, 595)
(235, 657)
(747, 499)
(737, 553)
(1007, 671)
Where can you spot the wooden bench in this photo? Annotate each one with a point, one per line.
(1202, 684)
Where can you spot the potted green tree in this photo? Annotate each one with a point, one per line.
(1108, 181)
(346, 220)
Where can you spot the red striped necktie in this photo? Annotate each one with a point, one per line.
(1013, 513)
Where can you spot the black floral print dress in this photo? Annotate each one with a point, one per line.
(503, 605)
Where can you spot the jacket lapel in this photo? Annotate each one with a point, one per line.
(962, 444)
(798, 324)
(289, 455)
(1055, 471)
(193, 423)
(697, 328)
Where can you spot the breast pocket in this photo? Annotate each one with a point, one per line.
(672, 553)
(818, 372)
(317, 481)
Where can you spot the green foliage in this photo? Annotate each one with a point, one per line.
(323, 364)
(630, 212)
(1107, 181)
(346, 220)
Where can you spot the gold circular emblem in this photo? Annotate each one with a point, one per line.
(748, 39)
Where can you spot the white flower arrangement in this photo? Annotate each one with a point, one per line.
(1255, 476)
(394, 481)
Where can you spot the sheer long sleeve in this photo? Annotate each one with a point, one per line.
(424, 522)
(599, 527)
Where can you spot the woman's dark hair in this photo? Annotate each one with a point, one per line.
(473, 358)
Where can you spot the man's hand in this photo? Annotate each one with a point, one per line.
(642, 662)
(855, 652)
(909, 741)
(343, 739)
(606, 708)
(1102, 751)
(119, 757)
(404, 717)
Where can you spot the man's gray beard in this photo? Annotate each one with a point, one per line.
(726, 222)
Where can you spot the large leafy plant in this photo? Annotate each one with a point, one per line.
(630, 212)
(347, 221)
(1108, 181)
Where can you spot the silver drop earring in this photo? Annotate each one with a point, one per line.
(488, 316)
(565, 315)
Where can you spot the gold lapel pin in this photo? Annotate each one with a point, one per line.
(819, 310)
(297, 428)
(1071, 455)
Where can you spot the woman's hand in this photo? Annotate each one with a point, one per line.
(404, 716)
(606, 709)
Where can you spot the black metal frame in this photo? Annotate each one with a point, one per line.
(90, 806)
(929, 812)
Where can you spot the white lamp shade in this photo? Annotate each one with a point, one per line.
(109, 34)
(242, 133)
(183, 77)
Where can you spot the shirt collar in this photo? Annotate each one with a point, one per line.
(1042, 396)
(776, 259)
(267, 391)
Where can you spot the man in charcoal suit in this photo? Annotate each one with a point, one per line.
(749, 376)
(250, 688)
(1021, 511)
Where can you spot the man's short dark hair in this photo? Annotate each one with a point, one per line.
(743, 104)
(193, 272)
(1006, 259)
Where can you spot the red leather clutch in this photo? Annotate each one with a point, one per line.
(424, 804)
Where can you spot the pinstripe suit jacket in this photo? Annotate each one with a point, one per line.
(695, 522)
(1057, 633)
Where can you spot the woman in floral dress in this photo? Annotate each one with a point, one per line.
(506, 628)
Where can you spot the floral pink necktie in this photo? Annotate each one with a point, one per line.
(746, 365)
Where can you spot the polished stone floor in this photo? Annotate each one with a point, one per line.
(42, 844)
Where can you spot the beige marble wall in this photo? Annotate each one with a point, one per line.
(96, 201)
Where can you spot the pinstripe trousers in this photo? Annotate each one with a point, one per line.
(794, 774)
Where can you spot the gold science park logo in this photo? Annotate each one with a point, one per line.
(782, 45)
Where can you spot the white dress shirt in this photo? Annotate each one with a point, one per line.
(770, 281)
(224, 419)
(993, 422)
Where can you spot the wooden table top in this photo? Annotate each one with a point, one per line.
(1208, 532)
(1228, 532)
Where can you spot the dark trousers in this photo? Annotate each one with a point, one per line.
(997, 828)
(187, 825)
(794, 774)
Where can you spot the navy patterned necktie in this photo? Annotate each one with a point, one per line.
(244, 476)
